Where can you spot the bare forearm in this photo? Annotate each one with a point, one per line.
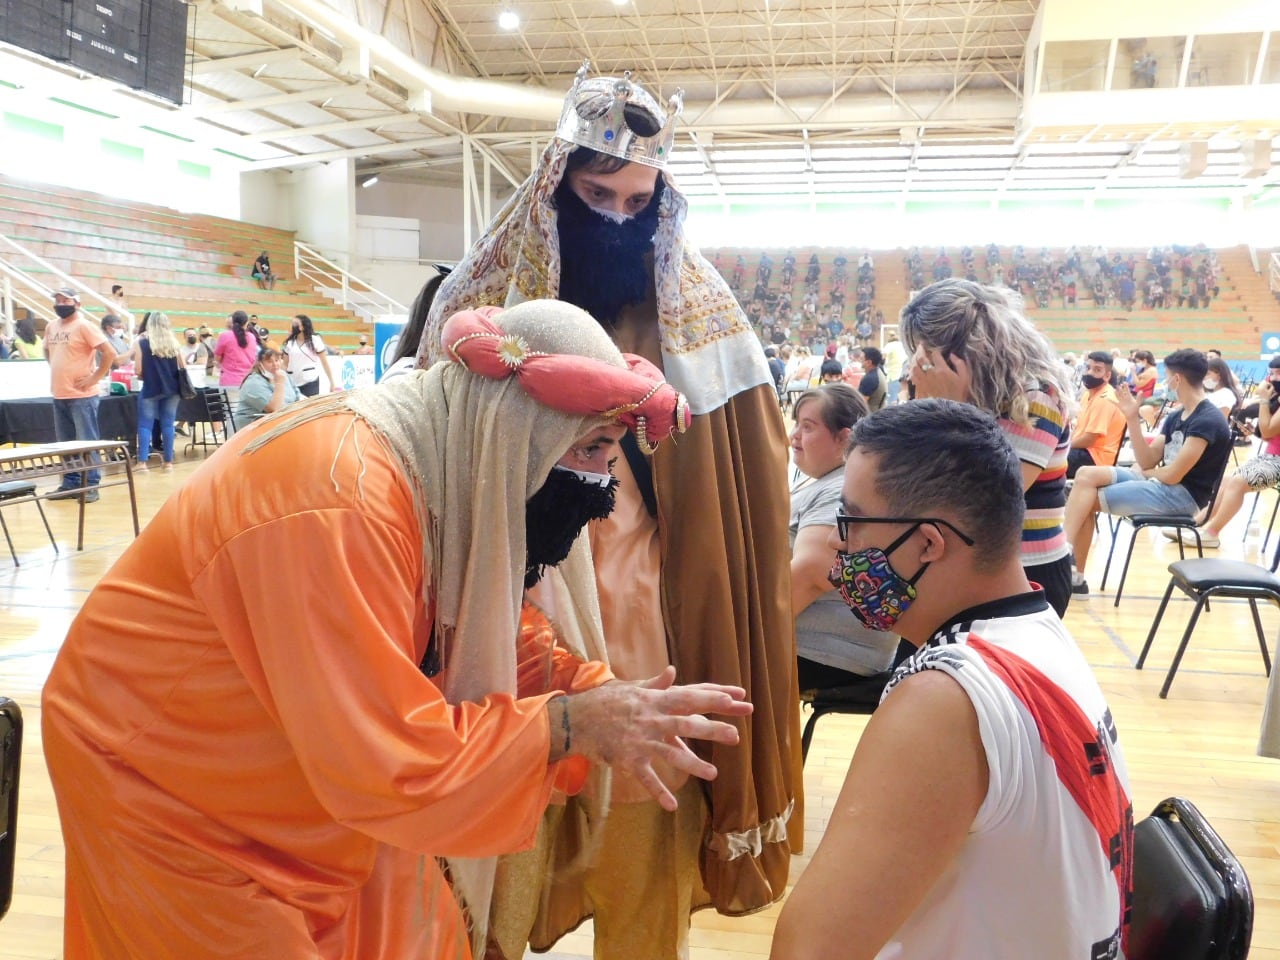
(1146, 457)
(1269, 422)
(277, 398)
(560, 724)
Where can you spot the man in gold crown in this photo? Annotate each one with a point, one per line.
(692, 565)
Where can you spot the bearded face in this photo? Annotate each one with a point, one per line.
(556, 514)
(602, 253)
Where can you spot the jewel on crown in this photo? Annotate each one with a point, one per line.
(617, 116)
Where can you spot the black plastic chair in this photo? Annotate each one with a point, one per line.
(1140, 521)
(215, 428)
(860, 697)
(1203, 578)
(13, 490)
(1191, 897)
(10, 767)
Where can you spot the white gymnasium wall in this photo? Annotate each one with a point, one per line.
(322, 199)
(265, 199)
(437, 209)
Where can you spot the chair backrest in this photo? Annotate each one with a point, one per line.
(1217, 483)
(1124, 435)
(1191, 898)
(216, 404)
(10, 766)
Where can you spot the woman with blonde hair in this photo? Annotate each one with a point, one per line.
(972, 343)
(155, 355)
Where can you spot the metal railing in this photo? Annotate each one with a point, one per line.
(1274, 273)
(13, 253)
(348, 291)
(17, 289)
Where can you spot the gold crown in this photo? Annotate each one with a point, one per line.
(615, 115)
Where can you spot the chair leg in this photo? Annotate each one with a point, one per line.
(9, 540)
(807, 737)
(1155, 625)
(1252, 509)
(45, 520)
(1262, 639)
(1271, 523)
(1115, 528)
(1125, 572)
(1182, 648)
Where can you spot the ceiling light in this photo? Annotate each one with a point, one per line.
(619, 3)
(369, 180)
(508, 20)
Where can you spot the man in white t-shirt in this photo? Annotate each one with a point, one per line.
(986, 812)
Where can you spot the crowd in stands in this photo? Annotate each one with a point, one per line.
(810, 309)
(1185, 277)
(814, 313)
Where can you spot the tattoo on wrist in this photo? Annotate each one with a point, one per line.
(564, 722)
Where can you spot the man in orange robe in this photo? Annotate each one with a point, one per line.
(253, 750)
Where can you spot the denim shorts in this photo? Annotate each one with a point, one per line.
(1131, 494)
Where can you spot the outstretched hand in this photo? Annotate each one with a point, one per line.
(1126, 401)
(630, 725)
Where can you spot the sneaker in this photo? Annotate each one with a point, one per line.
(1079, 585)
(1170, 533)
(73, 493)
(1206, 539)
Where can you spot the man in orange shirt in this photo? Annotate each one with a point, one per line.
(71, 345)
(312, 674)
(1099, 428)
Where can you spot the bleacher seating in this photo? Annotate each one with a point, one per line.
(196, 268)
(1233, 321)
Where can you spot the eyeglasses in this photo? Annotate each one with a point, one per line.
(845, 520)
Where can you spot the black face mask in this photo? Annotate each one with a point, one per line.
(556, 514)
(191, 339)
(1092, 383)
(65, 310)
(602, 266)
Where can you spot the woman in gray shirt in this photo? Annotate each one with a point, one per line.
(832, 645)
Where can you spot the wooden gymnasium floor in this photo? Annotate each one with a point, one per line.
(1199, 743)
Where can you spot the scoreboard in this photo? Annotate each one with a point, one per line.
(139, 43)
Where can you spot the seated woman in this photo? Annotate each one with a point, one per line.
(834, 648)
(265, 390)
(1260, 473)
(1221, 387)
(26, 345)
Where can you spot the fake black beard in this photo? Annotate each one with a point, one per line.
(602, 263)
(556, 514)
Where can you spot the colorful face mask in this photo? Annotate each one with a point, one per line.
(874, 591)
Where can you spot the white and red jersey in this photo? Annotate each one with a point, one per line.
(1047, 871)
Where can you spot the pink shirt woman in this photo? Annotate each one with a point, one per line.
(236, 361)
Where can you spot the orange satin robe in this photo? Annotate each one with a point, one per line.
(247, 760)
